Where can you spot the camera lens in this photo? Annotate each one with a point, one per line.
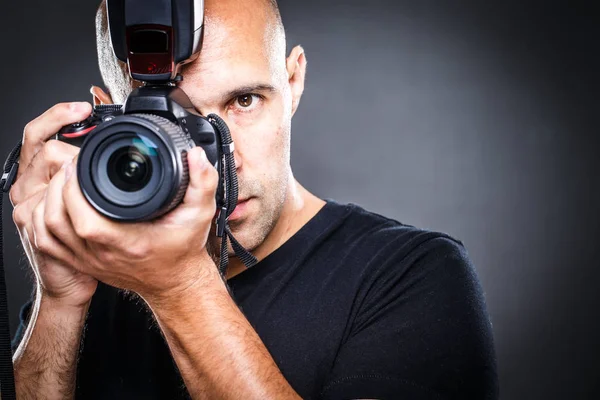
(134, 167)
(128, 169)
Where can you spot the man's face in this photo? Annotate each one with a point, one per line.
(241, 76)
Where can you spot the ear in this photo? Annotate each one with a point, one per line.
(296, 69)
(100, 96)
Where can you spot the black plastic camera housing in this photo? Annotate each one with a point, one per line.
(156, 37)
(133, 160)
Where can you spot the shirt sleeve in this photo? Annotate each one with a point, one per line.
(422, 332)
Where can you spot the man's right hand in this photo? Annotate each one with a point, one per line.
(41, 159)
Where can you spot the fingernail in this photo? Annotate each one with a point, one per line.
(68, 170)
(78, 107)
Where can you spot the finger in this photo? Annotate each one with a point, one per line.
(199, 203)
(22, 216)
(88, 224)
(44, 241)
(48, 124)
(44, 165)
(192, 218)
(95, 230)
(23, 212)
(204, 179)
(56, 219)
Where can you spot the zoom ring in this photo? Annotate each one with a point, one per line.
(182, 143)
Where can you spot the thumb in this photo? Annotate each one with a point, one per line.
(203, 181)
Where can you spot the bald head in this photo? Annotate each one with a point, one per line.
(255, 23)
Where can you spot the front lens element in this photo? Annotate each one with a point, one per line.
(128, 169)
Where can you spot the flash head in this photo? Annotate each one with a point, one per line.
(155, 37)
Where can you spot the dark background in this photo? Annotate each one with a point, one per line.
(476, 119)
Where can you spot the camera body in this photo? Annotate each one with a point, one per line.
(132, 164)
(133, 160)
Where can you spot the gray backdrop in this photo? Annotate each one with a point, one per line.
(471, 118)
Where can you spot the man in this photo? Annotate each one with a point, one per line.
(342, 304)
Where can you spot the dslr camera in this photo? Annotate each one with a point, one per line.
(133, 160)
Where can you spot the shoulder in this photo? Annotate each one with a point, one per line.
(416, 301)
(386, 259)
(377, 238)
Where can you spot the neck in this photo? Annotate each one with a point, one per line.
(299, 207)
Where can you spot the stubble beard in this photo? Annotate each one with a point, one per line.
(251, 232)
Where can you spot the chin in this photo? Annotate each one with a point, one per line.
(246, 233)
(252, 230)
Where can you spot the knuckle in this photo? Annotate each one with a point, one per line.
(105, 257)
(56, 153)
(139, 251)
(37, 213)
(63, 106)
(51, 150)
(52, 221)
(31, 133)
(131, 248)
(28, 131)
(86, 231)
(43, 243)
(17, 215)
(57, 110)
(14, 195)
(81, 228)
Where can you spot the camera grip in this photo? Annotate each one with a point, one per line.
(76, 133)
(73, 136)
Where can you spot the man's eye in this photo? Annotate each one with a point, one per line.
(245, 100)
(246, 103)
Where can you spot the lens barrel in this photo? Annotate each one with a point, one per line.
(134, 167)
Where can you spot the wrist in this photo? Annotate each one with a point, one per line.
(74, 294)
(62, 305)
(203, 282)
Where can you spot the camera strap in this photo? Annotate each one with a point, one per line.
(230, 198)
(7, 377)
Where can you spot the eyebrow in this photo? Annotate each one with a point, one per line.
(242, 90)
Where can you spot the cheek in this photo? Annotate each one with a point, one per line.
(264, 144)
(266, 155)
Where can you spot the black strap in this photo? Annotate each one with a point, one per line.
(7, 377)
(229, 174)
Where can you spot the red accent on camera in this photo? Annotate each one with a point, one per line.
(80, 133)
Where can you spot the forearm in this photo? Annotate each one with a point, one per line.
(216, 349)
(45, 362)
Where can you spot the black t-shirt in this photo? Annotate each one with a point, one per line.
(354, 305)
